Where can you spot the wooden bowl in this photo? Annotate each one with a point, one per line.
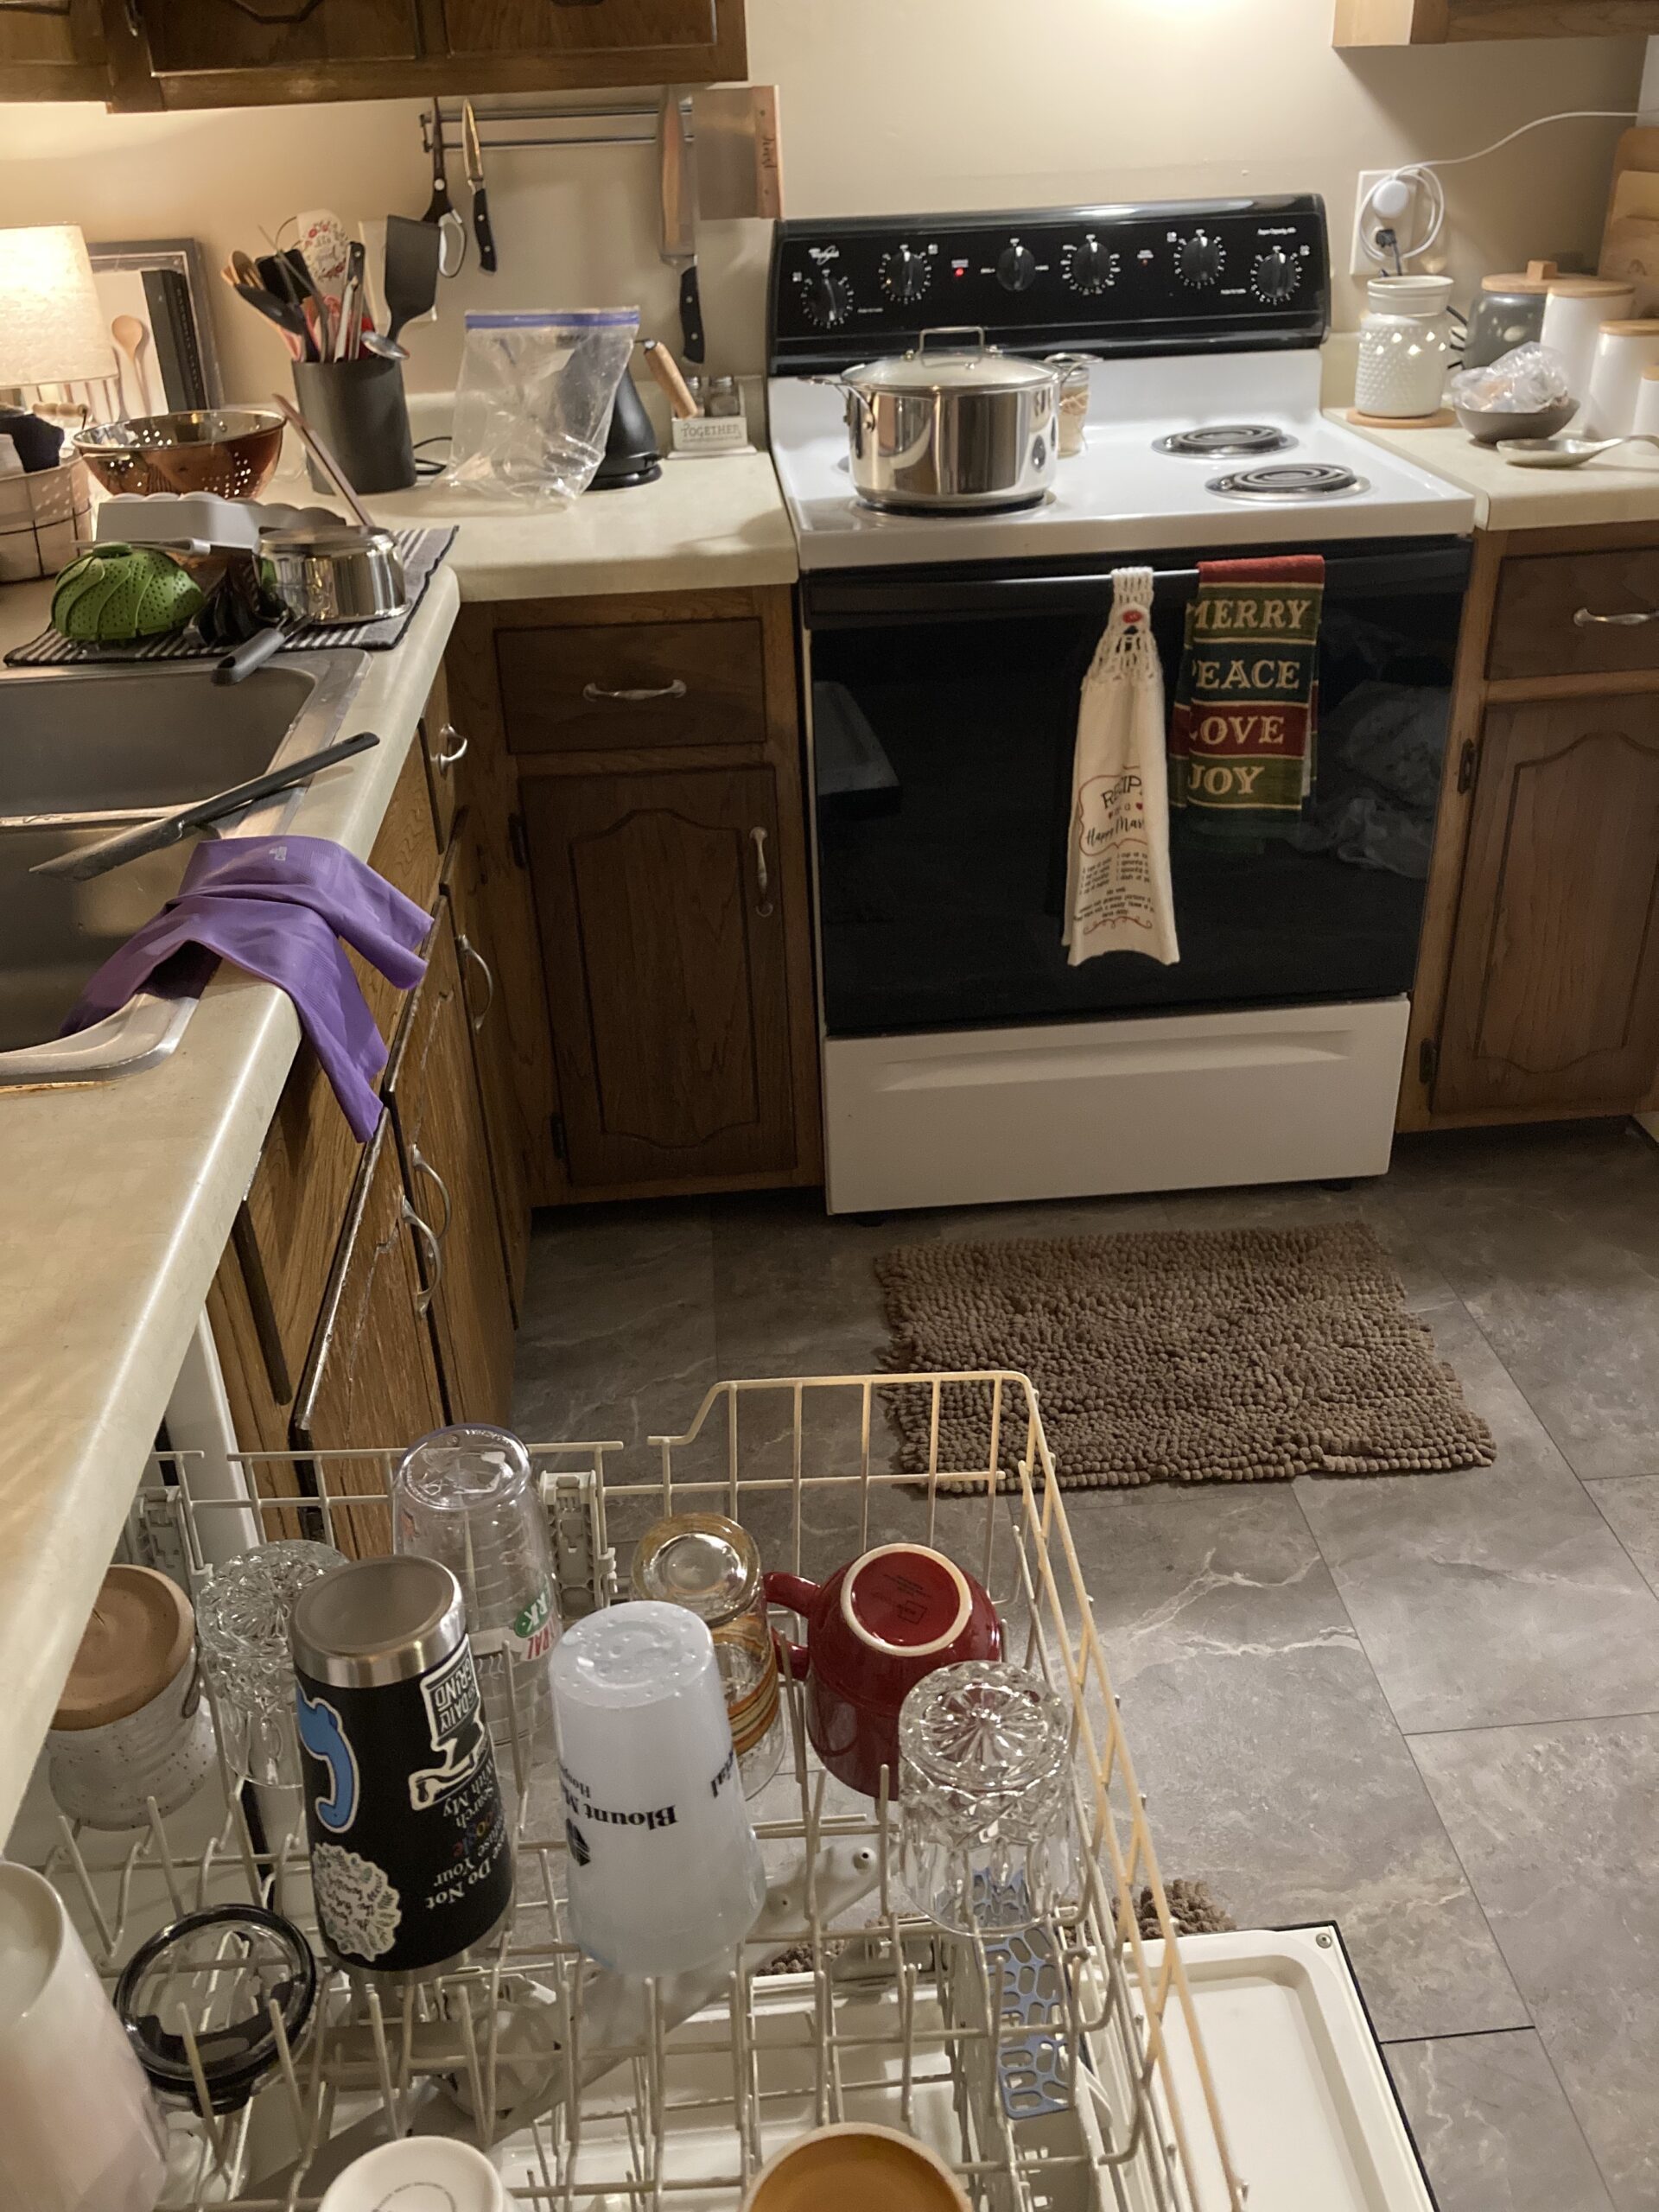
(231, 451)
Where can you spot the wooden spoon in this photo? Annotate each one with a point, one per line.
(130, 336)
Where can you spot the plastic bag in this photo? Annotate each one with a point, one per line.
(1524, 381)
(533, 405)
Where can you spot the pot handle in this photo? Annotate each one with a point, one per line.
(853, 397)
(976, 330)
(799, 1596)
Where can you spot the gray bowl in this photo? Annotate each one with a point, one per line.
(1486, 425)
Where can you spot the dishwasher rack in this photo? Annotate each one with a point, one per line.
(1044, 2069)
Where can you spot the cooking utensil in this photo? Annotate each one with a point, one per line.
(326, 577)
(83, 862)
(679, 246)
(667, 369)
(289, 318)
(963, 428)
(1566, 453)
(414, 256)
(440, 210)
(131, 338)
(475, 154)
(739, 167)
(325, 459)
(230, 450)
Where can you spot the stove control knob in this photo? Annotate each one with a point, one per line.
(827, 300)
(1275, 277)
(1016, 269)
(905, 275)
(1199, 260)
(1089, 267)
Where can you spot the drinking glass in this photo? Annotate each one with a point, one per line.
(665, 1871)
(985, 1796)
(242, 1616)
(467, 1498)
(711, 1565)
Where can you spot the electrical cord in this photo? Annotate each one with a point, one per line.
(1391, 195)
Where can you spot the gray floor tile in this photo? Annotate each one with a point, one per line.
(1490, 1594)
(1556, 1828)
(1274, 1767)
(1495, 2130)
(1551, 1237)
(1631, 1508)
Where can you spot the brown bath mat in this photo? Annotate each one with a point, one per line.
(1167, 1356)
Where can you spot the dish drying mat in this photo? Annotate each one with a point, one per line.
(420, 550)
(1174, 1355)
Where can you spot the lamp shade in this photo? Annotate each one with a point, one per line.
(51, 325)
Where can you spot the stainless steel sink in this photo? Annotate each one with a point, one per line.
(83, 751)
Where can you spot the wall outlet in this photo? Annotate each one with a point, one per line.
(1360, 263)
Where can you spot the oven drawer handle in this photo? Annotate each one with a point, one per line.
(1584, 619)
(596, 693)
(762, 876)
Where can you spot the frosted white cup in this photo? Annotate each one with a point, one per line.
(1624, 352)
(1573, 314)
(665, 1871)
(79, 2130)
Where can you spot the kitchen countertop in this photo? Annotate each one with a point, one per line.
(1614, 487)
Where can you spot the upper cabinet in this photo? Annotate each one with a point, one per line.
(1437, 23)
(183, 53)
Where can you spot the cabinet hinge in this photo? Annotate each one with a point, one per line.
(1468, 760)
(1428, 1060)
(517, 840)
(555, 1124)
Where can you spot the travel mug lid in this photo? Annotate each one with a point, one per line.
(138, 1638)
(377, 1620)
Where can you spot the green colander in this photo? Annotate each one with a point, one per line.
(118, 593)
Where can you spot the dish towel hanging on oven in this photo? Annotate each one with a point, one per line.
(1242, 739)
(1117, 891)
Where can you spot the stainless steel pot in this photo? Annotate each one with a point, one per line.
(960, 428)
(344, 575)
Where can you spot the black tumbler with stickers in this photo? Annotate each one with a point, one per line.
(411, 1863)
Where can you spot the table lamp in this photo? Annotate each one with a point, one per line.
(51, 324)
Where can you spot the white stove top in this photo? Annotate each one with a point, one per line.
(1121, 495)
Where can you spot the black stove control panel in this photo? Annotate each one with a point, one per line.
(1175, 276)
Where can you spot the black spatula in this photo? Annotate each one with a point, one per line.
(411, 280)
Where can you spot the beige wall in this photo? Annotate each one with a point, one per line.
(887, 104)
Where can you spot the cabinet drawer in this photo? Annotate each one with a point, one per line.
(632, 684)
(1543, 624)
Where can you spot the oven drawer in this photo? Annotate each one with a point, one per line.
(632, 685)
(1576, 613)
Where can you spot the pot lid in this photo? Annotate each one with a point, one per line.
(967, 365)
(138, 1638)
(1535, 279)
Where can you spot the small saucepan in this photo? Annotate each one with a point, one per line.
(319, 578)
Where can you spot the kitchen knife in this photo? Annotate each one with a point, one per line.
(679, 247)
(440, 210)
(474, 152)
(154, 836)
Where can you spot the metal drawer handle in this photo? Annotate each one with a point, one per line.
(596, 693)
(762, 878)
(433, 1256)
(468, 950)
(423, 1166)
(1583, 617)
(447, 753)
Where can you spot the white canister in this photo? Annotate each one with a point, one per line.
(1405, 345)
(1624, 352)
(1646, 418)
(132, 1723)
(1573, 314)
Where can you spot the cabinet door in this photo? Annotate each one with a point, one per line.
(679, 31)
(53, 51)
(481, 987)
(664, 949)
(188, 37)
(372, 1382)
(1553, 998)
(440, 1122)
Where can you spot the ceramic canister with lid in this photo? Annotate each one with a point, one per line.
(1508, 311)
(1624, 352)
(1573, 314)
(132, 1723)
(1646, 418)
(1405, 340)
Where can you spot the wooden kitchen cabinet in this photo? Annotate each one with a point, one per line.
(193, 53)
(466, 885)
(1537, 993)
(1437, 23)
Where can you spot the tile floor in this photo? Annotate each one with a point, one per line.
(1425, 1705)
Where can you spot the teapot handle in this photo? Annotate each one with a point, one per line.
(799, 1596)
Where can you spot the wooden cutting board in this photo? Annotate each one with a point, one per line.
(1630, 239)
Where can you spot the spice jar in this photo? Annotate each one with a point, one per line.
(711, 1565)
(1073, 369)
(1406, 341)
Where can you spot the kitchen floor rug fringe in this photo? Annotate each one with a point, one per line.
(1175, 1355)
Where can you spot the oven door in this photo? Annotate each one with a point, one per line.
(945, 708)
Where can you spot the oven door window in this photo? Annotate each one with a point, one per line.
(942, 759)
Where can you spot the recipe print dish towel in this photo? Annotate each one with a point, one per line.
(1117, 889)
(1242, 739)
